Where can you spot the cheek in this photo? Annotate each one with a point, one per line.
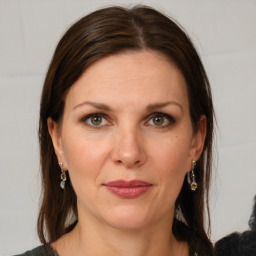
(84, 158)
(173, 154)
(171, 160)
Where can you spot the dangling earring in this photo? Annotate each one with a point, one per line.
(191, 177)
(63, 177)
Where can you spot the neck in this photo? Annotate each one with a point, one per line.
(92, 238)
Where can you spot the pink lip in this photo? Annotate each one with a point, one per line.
(128, 189)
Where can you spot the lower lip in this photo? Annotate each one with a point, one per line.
(128, 192)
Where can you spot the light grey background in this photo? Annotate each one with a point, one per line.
(224, 32)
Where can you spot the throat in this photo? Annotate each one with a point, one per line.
(118, 244)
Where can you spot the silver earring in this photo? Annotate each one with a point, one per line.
(63, 177)
(191, 177)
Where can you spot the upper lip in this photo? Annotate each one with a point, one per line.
(127, 184)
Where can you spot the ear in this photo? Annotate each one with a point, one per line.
(197, 143)
(55, 133)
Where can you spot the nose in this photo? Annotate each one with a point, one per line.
(128, 149)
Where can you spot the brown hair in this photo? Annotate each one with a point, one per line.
(101, 33)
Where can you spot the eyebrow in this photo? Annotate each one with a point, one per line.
(150, 107)
(164, 104)
(94, 104)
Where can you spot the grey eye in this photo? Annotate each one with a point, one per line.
(161, 120)
(96, 120)
(158, 120)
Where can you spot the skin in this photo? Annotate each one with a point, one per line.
(127, 143)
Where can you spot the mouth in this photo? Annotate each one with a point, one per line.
(128, 189)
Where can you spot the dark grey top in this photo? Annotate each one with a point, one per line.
(43, 250)
(47, 250)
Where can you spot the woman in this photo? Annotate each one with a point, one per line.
(126, 126)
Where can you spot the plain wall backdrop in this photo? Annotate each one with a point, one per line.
(224, 32)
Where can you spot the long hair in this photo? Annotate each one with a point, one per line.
(110, 31)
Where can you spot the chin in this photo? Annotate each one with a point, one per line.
(128, 218)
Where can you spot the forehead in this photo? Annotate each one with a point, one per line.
(144, 76)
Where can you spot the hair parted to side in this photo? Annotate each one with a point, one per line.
(110, 31)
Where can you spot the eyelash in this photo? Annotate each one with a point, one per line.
(87, 117)
(171, 120)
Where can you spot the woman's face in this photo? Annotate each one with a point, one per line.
(126, 139)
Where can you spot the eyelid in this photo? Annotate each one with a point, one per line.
(162, 114)
(87, 117)
(93, 114)
(170, 119)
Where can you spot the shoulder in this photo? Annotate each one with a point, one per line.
(36, 251)
(42, 250)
